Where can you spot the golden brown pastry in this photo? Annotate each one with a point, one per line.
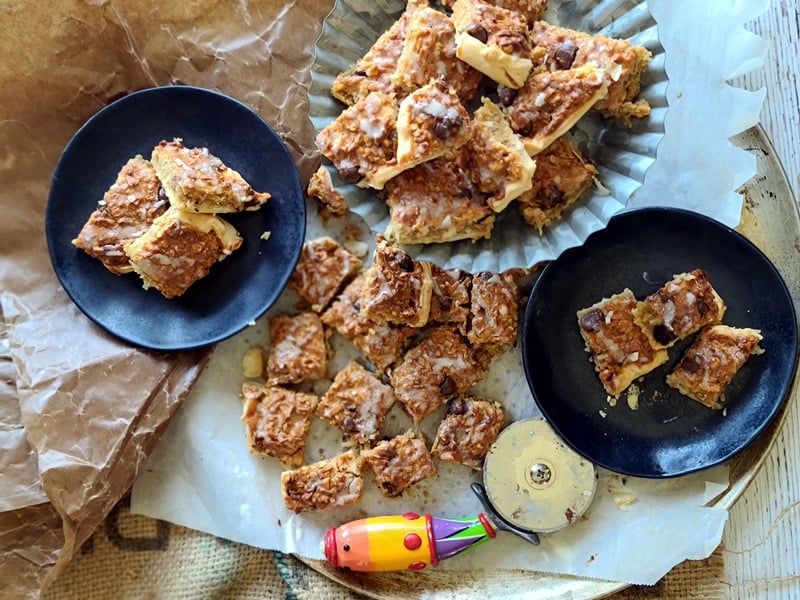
(620, 350)
(679, 308)
(179, 249)
(559, 48)
(400, 462)
(324, 484)
(712, 361)
(562, 175)
(494, 40)
(197, 181)
(549, 104)
(277, 421)
(127, 210)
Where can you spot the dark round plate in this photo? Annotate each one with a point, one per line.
(669, 434)
(237, 290)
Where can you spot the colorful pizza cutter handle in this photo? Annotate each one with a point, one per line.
(399, 542)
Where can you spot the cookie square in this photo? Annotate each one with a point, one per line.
(357, 402)
(323, 269)
(127, 211)
(437, 201)
(681, 307)
(277, 421)
(297, 350)
(431, 122)
(381, 343)
(179, 249)
(562, 175)
(559, 48)
(325, 484)
(469, 429)
(431, 34)
(620, 350)
(494, 40)
(450, 297)
(400, 462)
(362, 141)
(712, 361)
(331, 201)
(397, 288)
(195, 180)
(494, 309)
(550, 103)
(499, 163)
(441, 366)
(373, 71)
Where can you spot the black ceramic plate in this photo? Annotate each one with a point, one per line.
(237, 290)
(669, 434)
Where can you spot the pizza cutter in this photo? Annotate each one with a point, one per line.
(532, 483)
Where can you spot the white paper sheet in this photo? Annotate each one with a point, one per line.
(202, 475)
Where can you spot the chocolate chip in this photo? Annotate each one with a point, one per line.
(162, 195)
(360, 73)
(506, 95)
(468, 191)
(478, 31)
(663, 334)
(527, 130)
(447, 387)
(702, 307)
(447, 127)
(485, 275)
(349, 424)
(445, 303)
(404, 262)
(457, 406)
(388, 487)
(690, 364)
(357, 305)
(591, 320)
(550, 196)
(349, 174)
(565, 54)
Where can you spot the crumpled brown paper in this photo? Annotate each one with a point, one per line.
(80, 410)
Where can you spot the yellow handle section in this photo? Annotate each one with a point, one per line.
(390, 543)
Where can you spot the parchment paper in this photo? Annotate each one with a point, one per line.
(637, 530)
(80, 411)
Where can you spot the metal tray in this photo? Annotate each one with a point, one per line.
(770, 219)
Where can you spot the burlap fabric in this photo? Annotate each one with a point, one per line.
(135, 557)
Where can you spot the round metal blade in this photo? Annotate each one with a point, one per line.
(534, 480)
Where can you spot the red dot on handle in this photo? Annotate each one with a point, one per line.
(417, 566)
(412, 541)
(411, 516)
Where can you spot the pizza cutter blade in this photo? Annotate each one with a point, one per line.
(533, 482)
